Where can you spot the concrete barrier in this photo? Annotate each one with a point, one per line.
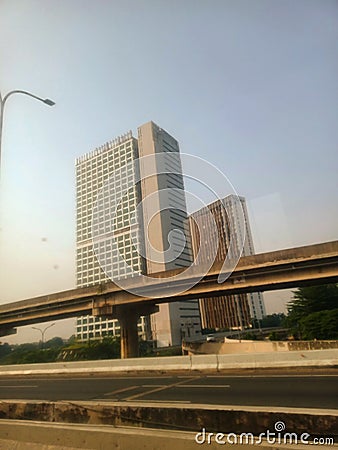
(100, 366)
(235, 346)
(239, 361)
(309, 358)
(39, 436)
(204, 362)
(163, 363)
(183, 417)
(306, 358)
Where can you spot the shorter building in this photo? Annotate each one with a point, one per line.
(175, 322)
(90, 327)
(222, 223)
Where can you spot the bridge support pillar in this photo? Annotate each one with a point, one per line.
(128, 317)
(129, 335)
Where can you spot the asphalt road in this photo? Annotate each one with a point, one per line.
(302, 391)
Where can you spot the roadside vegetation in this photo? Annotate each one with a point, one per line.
(313, 312)
(31, 353)
(57, 349)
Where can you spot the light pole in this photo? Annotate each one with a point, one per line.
(43, 331)
(239, 320)
(3, 100)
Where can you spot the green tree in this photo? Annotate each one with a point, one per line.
(320, 325)
(274, 336)
(146, 348)
(108, 348)
(273, 320)
(5, 349)
(308, 301)
(20, 356)
(55, 342)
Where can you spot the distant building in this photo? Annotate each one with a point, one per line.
(232, 311)
(93, 170)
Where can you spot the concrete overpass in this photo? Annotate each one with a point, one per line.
(313, 264)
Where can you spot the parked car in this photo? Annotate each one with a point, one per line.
(211, 338)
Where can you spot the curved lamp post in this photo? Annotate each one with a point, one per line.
(3, 100)
(43, 331)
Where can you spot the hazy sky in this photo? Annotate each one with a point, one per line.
(251, 86)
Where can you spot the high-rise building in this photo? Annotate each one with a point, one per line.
(165, 212)
(165, 190)
(119, 237)
(93, 170)
(222, 224)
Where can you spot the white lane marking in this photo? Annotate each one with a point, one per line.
(152, 385)
(187, 376)
(162, 388)
(129, 388)
(188, 385)
(269, 376)
(161, 401)
(204, 386)
(107, 378)
(109, 400)
(18, 387)
(132, 377)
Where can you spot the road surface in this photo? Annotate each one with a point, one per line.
(283, 390)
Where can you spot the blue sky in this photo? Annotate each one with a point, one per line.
(251, 86)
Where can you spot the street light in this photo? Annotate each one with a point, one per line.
(3, 100)
(43, 331)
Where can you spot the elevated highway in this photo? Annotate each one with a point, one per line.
(308, 265)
